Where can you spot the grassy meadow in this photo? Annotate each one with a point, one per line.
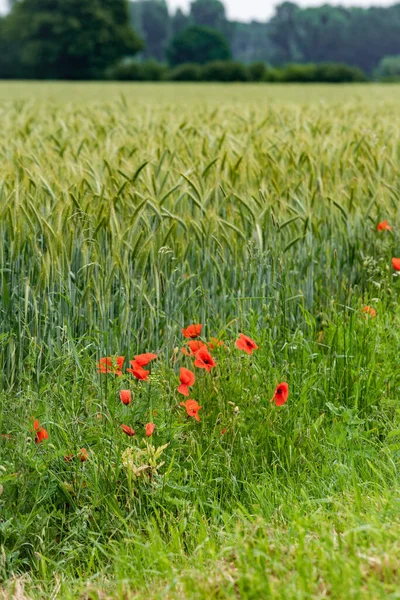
(130, 211)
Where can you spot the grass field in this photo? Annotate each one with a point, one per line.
(130, 211)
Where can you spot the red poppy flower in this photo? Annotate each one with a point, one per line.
(83, 454)
(281, 394)
(111, 364)
(370, 311)
(150, 427)
(69, 458)
(384, 226)
(215, 343)
(204, 360)
(396, 264)
(125, 396)
(223, 432)
(245, 343)
(187, 379)
(194, 346)
(143, 359)
(41, 433)
(193, 331)
(192, 408)
(138, 371)
(128, 430)
(120, 363)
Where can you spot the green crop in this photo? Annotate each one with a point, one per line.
(128, 212)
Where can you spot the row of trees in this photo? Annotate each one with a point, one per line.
(235, 71)
(82, 38)
(356, 36)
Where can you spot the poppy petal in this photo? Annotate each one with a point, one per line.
(396, 264)
(246, 344)
(192, 331)
(183, 389)
(281, 394)
(128, 430)
(143, 359)
(138, 371)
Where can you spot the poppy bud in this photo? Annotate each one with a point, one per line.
(150, 427)
(125, 396)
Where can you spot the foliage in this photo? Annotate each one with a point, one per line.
(251, 42)
(149, 70)
(358, 37)
(74, 39)
(324, 73)
(257, 71)
(152, 21)
(197, 44)
(127, 215)
(389, 69)
(208, 13)
(69, 39)
(224, 70)
(227, 70)
(10, 67)
(143, 462)
(186, 72)
(179, 21)
(355, 36)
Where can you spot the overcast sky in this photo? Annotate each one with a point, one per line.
(245, 10)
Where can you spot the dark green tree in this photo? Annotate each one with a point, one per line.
(118, 10)
(197, 44)
(211, 13)
(9, 54)
(70, 39)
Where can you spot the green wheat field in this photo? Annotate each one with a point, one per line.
(129, 212)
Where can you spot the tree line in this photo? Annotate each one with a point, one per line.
(359, 37)
(90, 39)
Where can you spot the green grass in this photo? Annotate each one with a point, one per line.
(128, 211)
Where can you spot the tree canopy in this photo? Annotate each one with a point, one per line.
(82, 38)
(68, 39)
(355, 36)
(197, 44)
